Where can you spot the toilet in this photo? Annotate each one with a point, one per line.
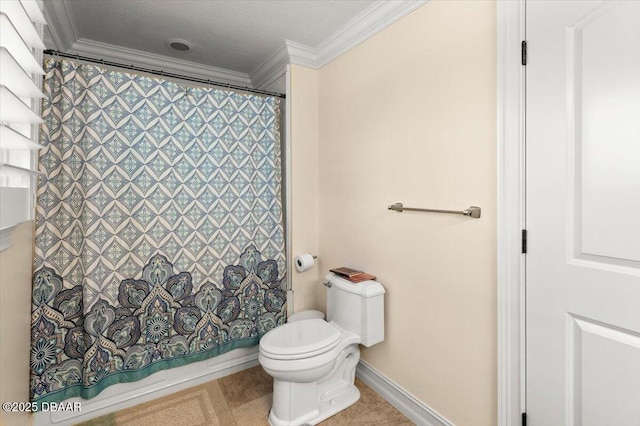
(313, 361)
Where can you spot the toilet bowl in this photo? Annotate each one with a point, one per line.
(313, 361)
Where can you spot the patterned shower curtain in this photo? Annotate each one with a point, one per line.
(159, 228)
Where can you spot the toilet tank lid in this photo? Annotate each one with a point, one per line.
(364, 288)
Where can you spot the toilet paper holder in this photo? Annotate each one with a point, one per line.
(314, 256)
(304, 261)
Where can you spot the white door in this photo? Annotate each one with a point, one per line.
(583, 212)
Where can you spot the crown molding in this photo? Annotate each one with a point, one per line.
(48, 40)
(140, 58)
(300, 54)
(363, 26)
(271, 69)
(366, 24)
(62, 24)
(381, 14)
(275, 66)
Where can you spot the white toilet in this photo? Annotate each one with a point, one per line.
(313, 362)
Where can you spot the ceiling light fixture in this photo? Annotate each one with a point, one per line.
(179, 44)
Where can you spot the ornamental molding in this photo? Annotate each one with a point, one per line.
(110, 52)
(365, 25)
(63, 35)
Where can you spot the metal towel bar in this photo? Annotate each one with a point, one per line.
(473, 211)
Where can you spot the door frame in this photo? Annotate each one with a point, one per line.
(510, 212)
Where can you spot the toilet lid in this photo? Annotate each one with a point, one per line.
(300, 339)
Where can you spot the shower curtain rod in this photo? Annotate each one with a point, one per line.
(163, 73)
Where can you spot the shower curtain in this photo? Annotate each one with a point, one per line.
(159, 227)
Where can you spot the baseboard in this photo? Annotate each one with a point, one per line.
(162, 383)
(416, 410)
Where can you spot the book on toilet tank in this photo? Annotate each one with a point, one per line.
(352, 275)
(343, 271)
(361, 277)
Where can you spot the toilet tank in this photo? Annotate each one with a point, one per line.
(357, 307)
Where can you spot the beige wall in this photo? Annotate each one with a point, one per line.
(409, 115)
(15, 320)
(304, 181)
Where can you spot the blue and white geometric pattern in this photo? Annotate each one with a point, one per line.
(140, 168)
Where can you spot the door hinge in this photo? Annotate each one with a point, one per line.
(524, 241)
(524, 419)
(523, 50)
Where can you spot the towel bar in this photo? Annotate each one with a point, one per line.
(473, 211)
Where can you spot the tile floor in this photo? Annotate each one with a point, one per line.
(241, 399)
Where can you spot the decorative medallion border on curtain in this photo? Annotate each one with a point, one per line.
(159, 228)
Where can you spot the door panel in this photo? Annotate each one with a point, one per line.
(583, 212)
(604, 50)
(593, 345)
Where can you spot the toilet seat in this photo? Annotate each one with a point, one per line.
(299, 340)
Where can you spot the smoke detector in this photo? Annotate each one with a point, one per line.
(179, 44)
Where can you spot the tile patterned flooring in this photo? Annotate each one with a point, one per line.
(241, 399)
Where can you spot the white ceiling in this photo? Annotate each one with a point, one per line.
(241, 42)
(235, 35)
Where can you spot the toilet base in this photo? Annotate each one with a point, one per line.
(326, 409)
(308, 403)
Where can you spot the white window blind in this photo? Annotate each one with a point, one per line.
(21, 46)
